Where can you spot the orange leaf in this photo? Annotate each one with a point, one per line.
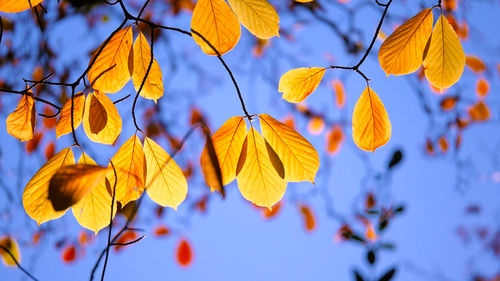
(63, 126)
(184, 253)
(21, 123)
(371, 127)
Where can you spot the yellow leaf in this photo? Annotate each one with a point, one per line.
(11, 246)
(210, 166)
(258, 16)
(300, 159)
(63, 126)
(101, 120)
(297, 84)
(166, 184)
(258, 180)
(371, 127)
(93, 211)
(15, 6)
(21, 123)
(110, 70)
(228, 141)
(130, 166)
(153, 86)
(402, 52)
(36, 193)
(73, 182)
(216, 22)
(444, 60)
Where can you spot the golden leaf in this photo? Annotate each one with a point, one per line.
(166, 184)
(21, 123)
(371, 127)
(444, 61)
(297, 84)
(210, 166)
(216, 22)
(110, 69)
(63, 126)
(258, 180)
(258, 16)
(402, 52)
(130, 166)
(300, 159)
(16, 6)
(228, 141)
(101, 121)
(153, 86)
(36, 193)
(11, 246)
(93, 210)
(73, 182)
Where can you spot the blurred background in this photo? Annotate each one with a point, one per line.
(423, 207)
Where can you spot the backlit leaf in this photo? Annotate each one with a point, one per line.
(11, 246)
(21, 122)
(402, 52)
(15, 6)
(110, 69)
(166, 184)
(36, 194)
(258, 16)
(371, 127)
(211, 168)
(93, 211)
(444, 60)
(334, 139)
(297, 84)
(130, 166)
(101, 121)
(475, 63)
(308, 217)
(258, 181)
(153, 86)
(228, 141)
(73, 182)
(63, 126)
(300, 159)
(217, 23)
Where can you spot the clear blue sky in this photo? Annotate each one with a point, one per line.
(231, 241)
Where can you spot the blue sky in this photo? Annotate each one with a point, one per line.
(231, 241)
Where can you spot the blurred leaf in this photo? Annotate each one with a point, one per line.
(388, 275)
(397, 156)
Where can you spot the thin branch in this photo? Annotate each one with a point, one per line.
(110, 222)
(17, 263)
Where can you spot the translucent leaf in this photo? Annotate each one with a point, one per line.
(297, 84)
(11, 246)
(258, 180)
(153, 86)
(216, 22)
(371, 127)
(475, 63)
(101, 121)
(110, 70)
(36, 194)
(21, 122)
(130, 166)
(16, 6)
(63, 126)
(258, 16)
(228, 141)
(93, 211)
(73, 182)
(211, 167)
(444, 60)
(166, 184)
(402, 52)
(300, 159)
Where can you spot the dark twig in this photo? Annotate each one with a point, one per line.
(110, 222)
(17, 263)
